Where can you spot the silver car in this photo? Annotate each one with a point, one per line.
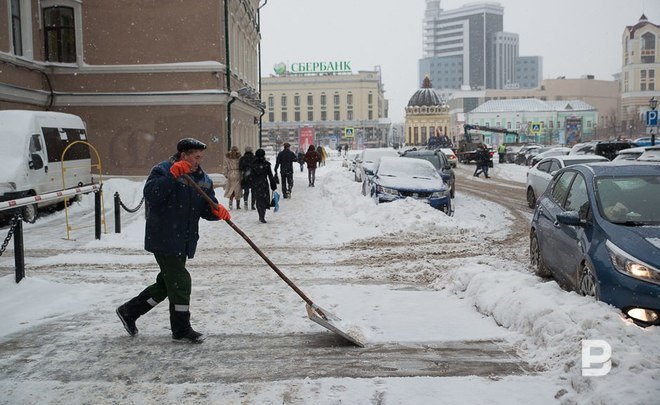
(539, 176)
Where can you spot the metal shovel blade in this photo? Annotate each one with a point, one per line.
(332, 324)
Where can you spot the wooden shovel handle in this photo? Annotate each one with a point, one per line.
(255, 247)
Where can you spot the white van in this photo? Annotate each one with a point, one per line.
(31, 149)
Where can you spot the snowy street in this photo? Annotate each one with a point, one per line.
(449, 307)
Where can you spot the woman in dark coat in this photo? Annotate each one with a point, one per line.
(244, 165)
(261, 177)
(311, 158)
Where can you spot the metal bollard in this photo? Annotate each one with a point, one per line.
(19, 254)
(117, 213)
(97, 215)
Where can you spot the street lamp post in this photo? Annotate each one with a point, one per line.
(653, 103)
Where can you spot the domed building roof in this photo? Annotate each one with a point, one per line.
(426, 96)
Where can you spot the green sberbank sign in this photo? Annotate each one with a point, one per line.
(299, 68)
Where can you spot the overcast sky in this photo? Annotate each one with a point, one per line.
(574, 37)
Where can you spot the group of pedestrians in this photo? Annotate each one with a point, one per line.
(483, 161)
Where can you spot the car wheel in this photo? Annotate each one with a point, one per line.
(30, 213)
(452, 193)
(540, 269)
(587, 282)
(531, 197)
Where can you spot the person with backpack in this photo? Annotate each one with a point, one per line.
(312, 159)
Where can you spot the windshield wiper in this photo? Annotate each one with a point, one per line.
(386, 175)
(631, 223)
(418, 177)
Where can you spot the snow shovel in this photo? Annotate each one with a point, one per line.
(314, 312)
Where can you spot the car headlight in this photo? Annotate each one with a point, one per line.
(630, 266)
(387, 190)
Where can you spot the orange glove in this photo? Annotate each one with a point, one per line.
(180, 167)
(221, 212)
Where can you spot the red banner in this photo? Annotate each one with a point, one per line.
(306, 138)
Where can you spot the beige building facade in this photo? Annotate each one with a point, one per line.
(639, 74)
(336, 107)
(140, 74)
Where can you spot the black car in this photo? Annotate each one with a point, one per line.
(439, 161)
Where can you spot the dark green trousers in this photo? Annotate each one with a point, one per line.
(173, 282)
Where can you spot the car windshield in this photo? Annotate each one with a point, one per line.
(630, 200)
(581, 161)
(434, 159)
(372, 156)
(406, 167)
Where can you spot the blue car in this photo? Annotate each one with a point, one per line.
(596, 230)
(401, 177)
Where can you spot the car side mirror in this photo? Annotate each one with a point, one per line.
(570, 218)
(36, 163)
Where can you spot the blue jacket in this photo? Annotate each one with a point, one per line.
(173, 210)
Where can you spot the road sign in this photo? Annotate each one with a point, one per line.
(349, 132)
(652, 118)
(535, 128)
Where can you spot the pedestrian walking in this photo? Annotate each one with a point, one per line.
(173, 209)
(482, 161)
(322, 155)
(301, 159)
(284, 161)
(311, 158)
(244, 164)
(262, 178)
(230, 168)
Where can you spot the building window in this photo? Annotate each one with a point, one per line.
(324, 115)
(16, 26)
(296, 100)
(283, 100)
(588, 124)
(336, 115)
(349, 115)
(59, 32)
(371, 114)
(310, 115)
(271, 116)
(370, 98)
(271, 101)
(423, 134)
(310, 99)
(648, 48)
(323, 99)
(284, 116)
(349, 99)
(296, 116)
(336, 99)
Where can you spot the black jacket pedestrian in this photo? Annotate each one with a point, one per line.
(285, 159)
(244, 166)
(173, 209)
(262, 177)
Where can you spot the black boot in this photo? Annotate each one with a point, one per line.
(133, 309)
(181, 329)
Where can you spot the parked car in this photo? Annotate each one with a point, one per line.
(521, 156)
(350, 159)
(365, 164)
(404, 177)
(511, 152)
(596, 231)
(608, 149)
(440, 162)
(630, 153)
(651, 154)
(557, 151)
(643, 141)
(451, 156)
(33, 152)
(539, 176)
(532, 152)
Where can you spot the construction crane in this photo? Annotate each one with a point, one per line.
(467, 149)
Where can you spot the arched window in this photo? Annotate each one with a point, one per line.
(648, 48)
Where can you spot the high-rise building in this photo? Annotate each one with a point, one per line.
(467, 48)
(529, 71)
